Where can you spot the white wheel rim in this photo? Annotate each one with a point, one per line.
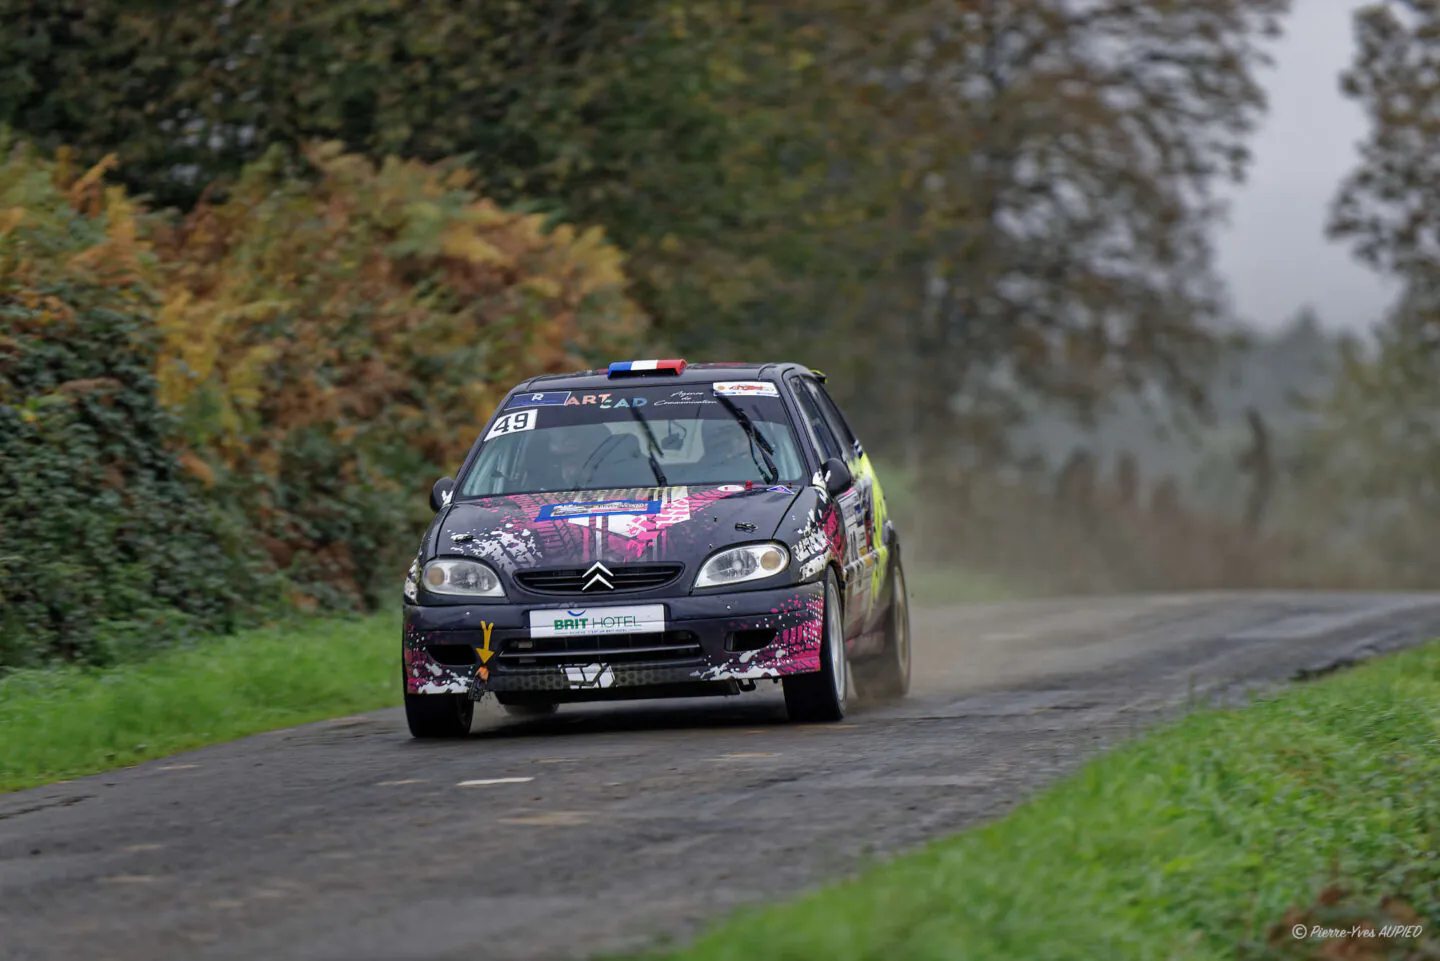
(836, 642)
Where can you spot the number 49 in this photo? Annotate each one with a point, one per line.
(512, 423)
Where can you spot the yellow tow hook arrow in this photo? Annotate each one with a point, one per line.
(484, 651)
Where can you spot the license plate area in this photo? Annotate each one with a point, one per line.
(598, 621)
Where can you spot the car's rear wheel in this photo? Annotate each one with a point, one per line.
(439, 715)
(820, 696)
(886, 676)
(525, 707)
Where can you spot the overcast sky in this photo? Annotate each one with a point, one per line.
(1274, 254)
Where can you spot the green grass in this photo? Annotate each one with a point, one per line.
(62, 723)
(1208, 839)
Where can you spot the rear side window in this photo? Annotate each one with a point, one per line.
(822, 432)
(834, 417)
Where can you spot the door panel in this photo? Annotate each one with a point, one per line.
(857, 503)
(878, 549)
(864, 526)
(853, 507)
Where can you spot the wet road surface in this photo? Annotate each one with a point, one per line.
(606, 827)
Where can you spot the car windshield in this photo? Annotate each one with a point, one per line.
(652, 436)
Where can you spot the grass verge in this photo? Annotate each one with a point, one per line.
(67, 722)
(1208, 839)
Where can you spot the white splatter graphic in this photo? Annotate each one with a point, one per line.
(519, 547)
(451, 686)
(812, 567)
(724, 673)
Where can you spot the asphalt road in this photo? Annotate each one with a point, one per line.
(603, 828)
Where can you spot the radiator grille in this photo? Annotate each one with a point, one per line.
(601, 649)
(623, 577)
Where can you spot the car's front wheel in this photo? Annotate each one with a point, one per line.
(887, 675)
(820, 696)
(439, 715)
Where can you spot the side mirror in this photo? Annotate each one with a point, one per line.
(441, 493)
(837, 477)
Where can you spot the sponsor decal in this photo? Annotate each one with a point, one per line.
(730, 488)
(590, 675)
(561, 512)
(687, 397)
(546, 398)
(638, 619)
(513, 423)
(746, 388)
(780, 489)
(604, 401)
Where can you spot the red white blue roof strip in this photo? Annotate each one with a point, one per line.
(641, 366)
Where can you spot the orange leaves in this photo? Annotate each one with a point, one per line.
(388, 306)
(10, 219)
(197, 468)
(87, 194)
(41, 240)
(116, 262)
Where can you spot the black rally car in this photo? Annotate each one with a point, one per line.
(657, 529)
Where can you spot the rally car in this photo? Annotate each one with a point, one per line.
(657, 529)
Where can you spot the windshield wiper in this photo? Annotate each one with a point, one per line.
(756, 439)
(650, 436)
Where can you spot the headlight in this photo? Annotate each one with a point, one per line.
(738, 564)
(462, 576)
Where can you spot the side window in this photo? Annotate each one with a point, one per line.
(836, 419)
(819, 429)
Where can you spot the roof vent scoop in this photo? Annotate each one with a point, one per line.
(646, 368)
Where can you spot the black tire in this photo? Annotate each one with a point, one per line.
(886, 677)
(439, 715)
(820, 696)
(524, 707)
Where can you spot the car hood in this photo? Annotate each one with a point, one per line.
(635, 525)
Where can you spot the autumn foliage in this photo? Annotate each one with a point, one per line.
(317, 347)
(103, 543)
(332, 343)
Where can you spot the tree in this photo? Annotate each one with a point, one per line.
(1376, 454)
(1048, 174)
(1389, 207)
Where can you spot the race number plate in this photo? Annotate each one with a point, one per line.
(513, 423)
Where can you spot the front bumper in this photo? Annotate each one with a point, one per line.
(708, 639)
